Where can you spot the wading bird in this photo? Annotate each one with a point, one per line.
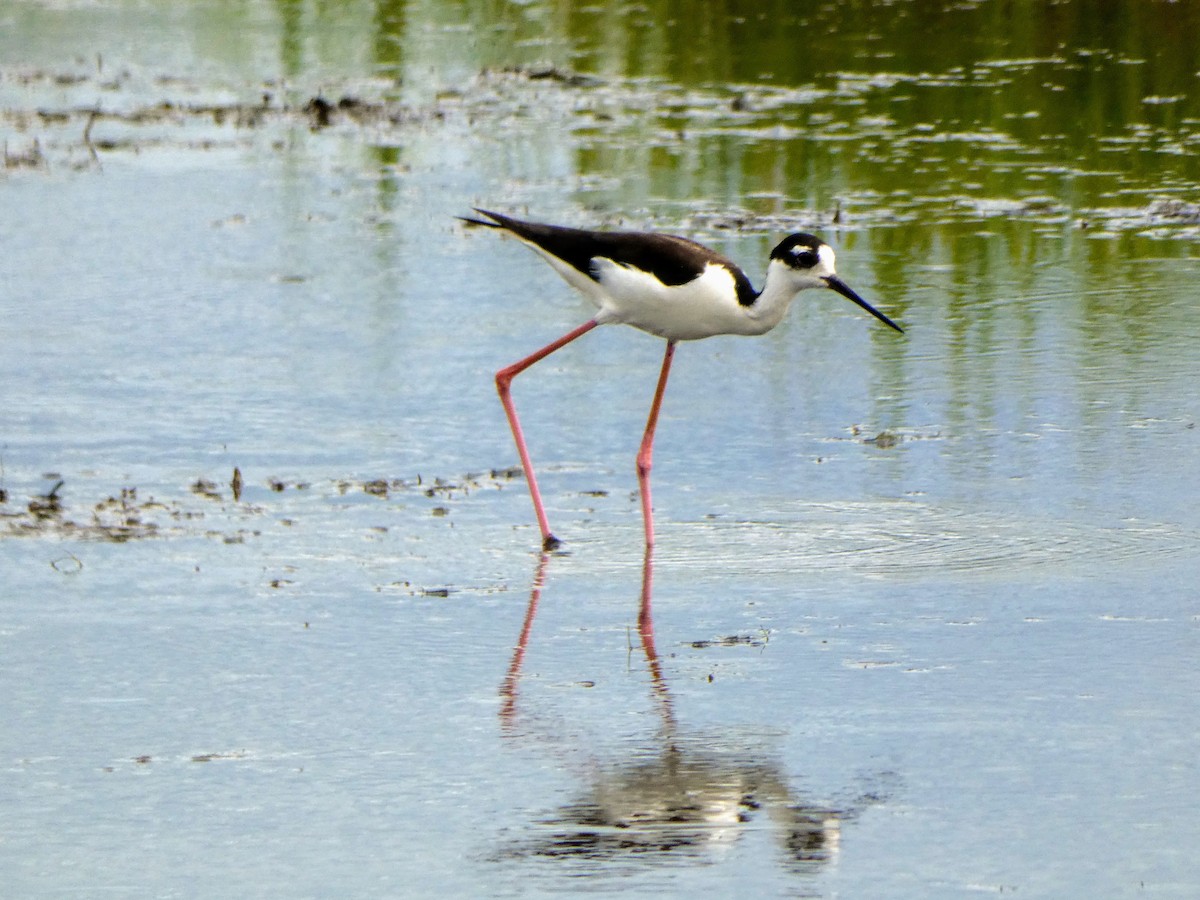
(668, 286)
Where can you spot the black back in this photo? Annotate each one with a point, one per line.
(672, 260)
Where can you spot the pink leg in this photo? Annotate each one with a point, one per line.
(508, 690)
(645, 455)
(504, 385)
(646, 630)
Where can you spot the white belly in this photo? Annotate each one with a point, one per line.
(701, 308)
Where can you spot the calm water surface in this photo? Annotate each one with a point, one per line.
(922, 620)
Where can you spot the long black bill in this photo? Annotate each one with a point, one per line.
(846, 291)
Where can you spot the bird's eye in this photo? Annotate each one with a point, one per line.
(803, 258)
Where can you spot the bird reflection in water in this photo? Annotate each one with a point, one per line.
(679, 801)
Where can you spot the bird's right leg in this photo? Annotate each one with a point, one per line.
(646, 453)
(504, 385)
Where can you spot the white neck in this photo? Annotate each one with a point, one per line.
(782, 285)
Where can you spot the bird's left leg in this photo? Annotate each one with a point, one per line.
(645, 455)
(504, 385)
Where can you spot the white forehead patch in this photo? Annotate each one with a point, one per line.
(825, 255)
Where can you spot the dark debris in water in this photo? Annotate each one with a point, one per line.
(885, 440)
(202, 487)
(446, 488)
(1168, 214)
(546, 73)
(890, 438)
(213, 757)
(146, 759)
(745, 220)
(30, 157)
(129, 515)
(47, 505)
(80, 115)
(117, 518)
(1174, 209)
(732, 640)
(102, 114)
(322, 113)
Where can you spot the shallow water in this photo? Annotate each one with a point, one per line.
(922, 617)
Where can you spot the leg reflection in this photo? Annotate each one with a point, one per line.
(512, 679)
(684, 797)
(646, 631)
(508, 690)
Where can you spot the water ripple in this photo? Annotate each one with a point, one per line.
(890, 538)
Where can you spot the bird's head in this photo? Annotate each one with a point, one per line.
(805, 261)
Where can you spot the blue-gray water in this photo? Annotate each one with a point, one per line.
(957, 659)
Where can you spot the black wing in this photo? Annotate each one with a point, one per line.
(672, 260)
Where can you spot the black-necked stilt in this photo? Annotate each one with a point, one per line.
(671, 287)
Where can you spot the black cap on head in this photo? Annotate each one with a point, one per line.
(800, 251)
